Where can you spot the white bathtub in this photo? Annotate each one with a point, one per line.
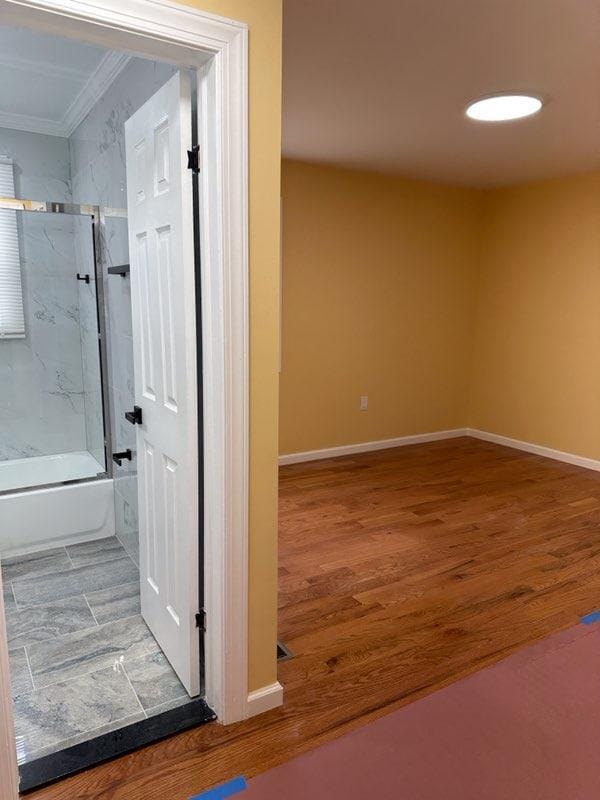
(40, 470)
(55, 515)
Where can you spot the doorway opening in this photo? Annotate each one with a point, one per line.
(100, 481)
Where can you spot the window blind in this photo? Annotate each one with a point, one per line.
(12, 321)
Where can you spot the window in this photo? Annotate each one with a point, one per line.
(12, 322)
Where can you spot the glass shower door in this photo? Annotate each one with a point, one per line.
(52, 420)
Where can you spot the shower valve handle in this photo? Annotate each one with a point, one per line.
(135, 416)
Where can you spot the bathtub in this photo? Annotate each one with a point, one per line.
(50, 516)
(41, 470)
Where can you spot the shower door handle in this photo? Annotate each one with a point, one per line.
(118, 458)
(135, 416)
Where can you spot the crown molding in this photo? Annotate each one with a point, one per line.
(57, 71)
(96, 85)
(93, 89)
(23, 122)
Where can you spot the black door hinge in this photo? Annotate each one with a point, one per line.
(201, 620)
(135, 416)
(194, 159)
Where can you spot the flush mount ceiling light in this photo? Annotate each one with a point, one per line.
(503, 107)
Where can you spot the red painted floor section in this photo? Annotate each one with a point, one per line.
(527, 728)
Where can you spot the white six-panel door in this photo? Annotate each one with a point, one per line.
(161, 245)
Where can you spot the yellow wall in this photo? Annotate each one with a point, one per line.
(536, 373)
(379, 275)
(447, 307)
(264, 18)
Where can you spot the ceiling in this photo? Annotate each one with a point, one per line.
(382, 85)
(49, 84)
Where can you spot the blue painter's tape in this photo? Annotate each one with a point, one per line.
(590, 618)
(223, 791)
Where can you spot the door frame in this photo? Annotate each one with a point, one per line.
(9, 783)
(218, 49)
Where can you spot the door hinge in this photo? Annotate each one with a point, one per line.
(194, 159)
(135, 416)
(201, 620)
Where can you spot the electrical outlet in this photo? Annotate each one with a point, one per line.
(364, 403)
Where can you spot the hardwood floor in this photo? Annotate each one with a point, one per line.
(401, 571)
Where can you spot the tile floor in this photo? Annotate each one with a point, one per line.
(83, 661)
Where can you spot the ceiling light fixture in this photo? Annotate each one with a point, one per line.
(503, 107)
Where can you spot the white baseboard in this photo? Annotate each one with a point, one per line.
(536, 449)
(366, 447)
(265, 699)
(401, 441)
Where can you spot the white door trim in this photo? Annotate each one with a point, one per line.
(9, 774)
(218, 47)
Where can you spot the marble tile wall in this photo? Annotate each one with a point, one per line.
(42, 400)
(97, 152)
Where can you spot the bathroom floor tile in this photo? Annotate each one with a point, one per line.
(40, 563)
(117, 602)
(74, 621)
(131, 542)
(20, 676)
(89, 650)
(38, 623)
(177, 701)
(9, 598)
(85, 736)
(154, 681)
(98, 551)
(78, 580)
(50, 716)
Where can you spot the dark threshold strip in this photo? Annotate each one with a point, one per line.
(116, 743)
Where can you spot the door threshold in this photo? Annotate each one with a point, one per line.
(55, 766)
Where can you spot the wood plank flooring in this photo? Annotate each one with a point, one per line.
(400, 572)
